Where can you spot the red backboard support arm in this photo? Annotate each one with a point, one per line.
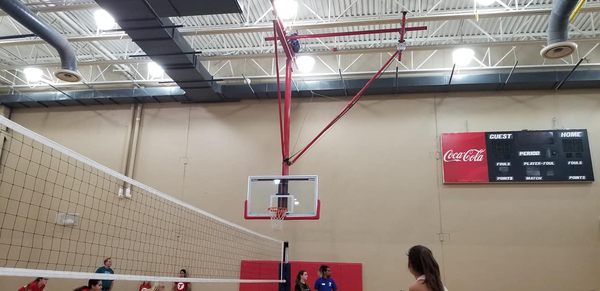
(285, 110)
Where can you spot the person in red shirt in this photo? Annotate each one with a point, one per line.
(93, 285)
(145, 285)
(36, 285)
(182, 286)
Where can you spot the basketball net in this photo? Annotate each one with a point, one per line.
(277, 217)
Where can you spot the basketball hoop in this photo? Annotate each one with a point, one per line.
(277, 216)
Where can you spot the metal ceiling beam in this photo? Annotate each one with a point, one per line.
(308, 77)
(320, 53)
(58, 8)
(307, 25)
(94, 97)
(83, 38)
(115, 83)
(491, 81)
(418, 44)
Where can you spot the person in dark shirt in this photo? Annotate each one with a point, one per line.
(301, 280)
(325, 283)
(106, 269)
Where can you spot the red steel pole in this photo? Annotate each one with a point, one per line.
(287, 116)
(403, 30)
(289, 53)
(283, 154)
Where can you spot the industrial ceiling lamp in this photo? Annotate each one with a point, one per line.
(485, 2)
(155, 70)
(462, 56)
(286, 9)
(33, 75)
(305, 63)
(103, 20)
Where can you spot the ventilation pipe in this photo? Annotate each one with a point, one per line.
(558, 30)
(22, 14)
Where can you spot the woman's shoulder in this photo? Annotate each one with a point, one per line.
(301, 287)
(418, 286)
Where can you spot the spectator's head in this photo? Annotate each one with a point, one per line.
(41, 281)
(301, 277)
(95, 285)
(108, 262)
(325, 271)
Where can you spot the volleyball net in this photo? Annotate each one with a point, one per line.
(61, 214)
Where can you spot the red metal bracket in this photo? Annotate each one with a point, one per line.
(361, 32)
(285, 110)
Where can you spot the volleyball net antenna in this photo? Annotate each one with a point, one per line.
(61, 214)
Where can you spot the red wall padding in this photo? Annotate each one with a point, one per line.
(347, 276)
(268, 270)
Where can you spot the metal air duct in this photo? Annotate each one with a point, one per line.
(558, 31)
(160, 39)
(22, 14)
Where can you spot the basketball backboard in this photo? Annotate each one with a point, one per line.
(299, 194)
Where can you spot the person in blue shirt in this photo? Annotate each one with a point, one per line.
(325, 283)
(106, 284)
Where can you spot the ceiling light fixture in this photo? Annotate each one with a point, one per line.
(462, 56)
(155, 70)
(103, 20)
(286, 9)
(33, 75)
(305, 63)
(485, 2)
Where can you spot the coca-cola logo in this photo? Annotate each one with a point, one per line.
(472, 155)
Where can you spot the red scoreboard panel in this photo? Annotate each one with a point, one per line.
(517, 156)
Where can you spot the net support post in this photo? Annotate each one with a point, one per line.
(285, 268)
(284, 255)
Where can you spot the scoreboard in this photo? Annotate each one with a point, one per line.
(517, 156)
